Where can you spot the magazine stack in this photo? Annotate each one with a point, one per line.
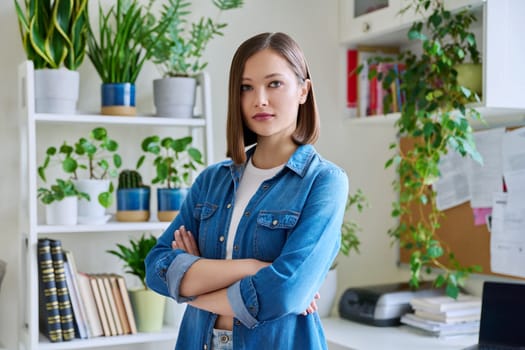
(443, 316)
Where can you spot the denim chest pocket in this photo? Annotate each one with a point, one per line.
(204, 214)
(271, 233)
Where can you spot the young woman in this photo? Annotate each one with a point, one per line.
(258, 232)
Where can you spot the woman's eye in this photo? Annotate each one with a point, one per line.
(275, 84)
(245, 87)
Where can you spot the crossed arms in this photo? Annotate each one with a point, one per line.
(208, 279)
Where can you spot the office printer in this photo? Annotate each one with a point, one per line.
(382, 305)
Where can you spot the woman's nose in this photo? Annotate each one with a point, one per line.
(261, 98)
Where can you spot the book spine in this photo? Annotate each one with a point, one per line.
(351, 81)
(119, 303)
(372, 92)
(64, 301)
(88, 299)
(76, 302)
(100, 307)
(112, 304)
(105, 305)
(380, 92)
(127, 303)
(49, 314)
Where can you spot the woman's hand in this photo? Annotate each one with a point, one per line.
(184, 240)
(313, 305)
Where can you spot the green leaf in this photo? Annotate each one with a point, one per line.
(452, 290)
(435, 251)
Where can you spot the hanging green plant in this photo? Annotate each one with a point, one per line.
(350, 228)
(435, 116)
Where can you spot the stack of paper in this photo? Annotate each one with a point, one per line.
(444, 316)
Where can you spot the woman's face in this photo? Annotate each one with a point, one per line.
(270, 95)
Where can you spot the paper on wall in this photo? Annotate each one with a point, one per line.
(463, 179)
(507, 241)
(452, 188)
(487, 178)
(513, 148)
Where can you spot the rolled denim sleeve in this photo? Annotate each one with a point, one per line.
(165, 266)
(176, 272)
(240, 309)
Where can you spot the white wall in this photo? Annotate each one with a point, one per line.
(361, 149)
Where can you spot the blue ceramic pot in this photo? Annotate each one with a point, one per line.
(118, 99)
(169, 201)
(133, 204)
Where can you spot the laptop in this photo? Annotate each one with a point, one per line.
(502, 323)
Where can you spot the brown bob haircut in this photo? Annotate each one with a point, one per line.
(238, 135)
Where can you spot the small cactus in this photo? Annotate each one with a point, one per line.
(130, 179)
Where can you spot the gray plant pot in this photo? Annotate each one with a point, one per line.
(56, 90)
(174, 97)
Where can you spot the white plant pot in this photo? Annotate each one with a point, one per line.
(92, 212)
(173, 313)
(56, 90)
(327, 291)
(62, 212)
(174, 97)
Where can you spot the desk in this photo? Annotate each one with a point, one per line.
(347, 335)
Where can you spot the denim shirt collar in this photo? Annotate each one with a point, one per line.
(298, 162)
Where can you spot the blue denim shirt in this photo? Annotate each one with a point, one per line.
(293, 220)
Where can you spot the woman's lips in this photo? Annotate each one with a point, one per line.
(262, 116)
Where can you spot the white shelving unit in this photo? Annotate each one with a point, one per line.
(500, 45)
(31, 227)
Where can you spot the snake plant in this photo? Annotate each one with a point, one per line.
(54, 32)
(124, 41)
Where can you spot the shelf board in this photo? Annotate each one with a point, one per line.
(494, 117)
(118, 120)
(167, 334)
(388, 119)
(107, 227)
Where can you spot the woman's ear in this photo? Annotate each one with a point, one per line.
(305, 89)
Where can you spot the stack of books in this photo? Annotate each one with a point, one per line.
(74, 304)
(444, 316)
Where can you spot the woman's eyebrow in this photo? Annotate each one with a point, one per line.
(268, 76)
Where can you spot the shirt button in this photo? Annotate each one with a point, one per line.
(247, 213)
(229, 205)
(224, 339)
(205, 347)
(237, 323)
(235, 247)
(275, 222)
(221, 238)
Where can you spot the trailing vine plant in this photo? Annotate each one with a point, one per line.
(435, 115)
(350, 228)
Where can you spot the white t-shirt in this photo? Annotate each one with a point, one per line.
(251, 179)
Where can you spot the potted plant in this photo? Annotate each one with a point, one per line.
(435, 116)
(175, 160)
(133, 197)
(148, 306)
(125, 40)
(54, 35)
(349, 241)
(178, 55)
(61, 201)
(97, 156)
